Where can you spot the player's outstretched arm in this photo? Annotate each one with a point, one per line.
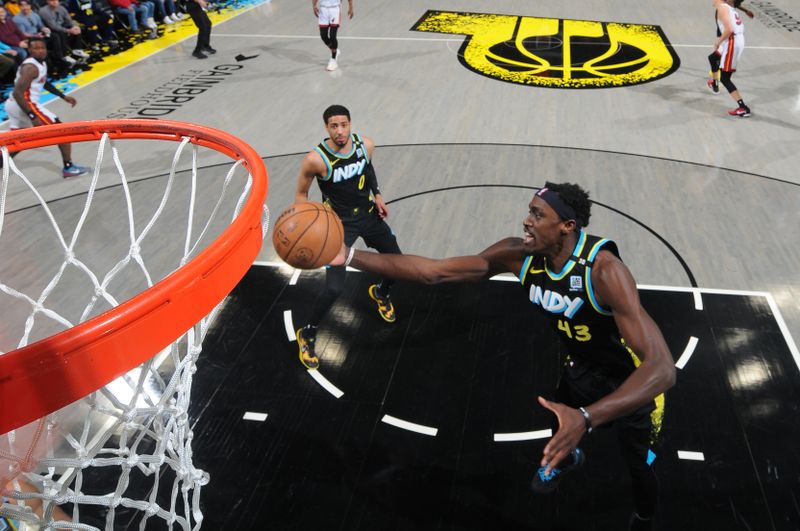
(504, 256)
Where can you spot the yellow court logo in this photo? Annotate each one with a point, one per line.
(555, 53)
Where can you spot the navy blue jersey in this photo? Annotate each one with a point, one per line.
(344, 186)
(587, 330)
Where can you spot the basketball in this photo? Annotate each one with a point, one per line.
(307, 235)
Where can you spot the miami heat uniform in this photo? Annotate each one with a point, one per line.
(731, 49)
(330, 13)
(18, 119)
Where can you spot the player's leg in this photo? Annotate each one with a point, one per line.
(713, 74)
(378, 235)
(334, 286)
(638, 435)
(731, 61)
(328, 27)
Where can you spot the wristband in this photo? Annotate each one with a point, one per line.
(32, 115)
(587, 419)
(350, 256)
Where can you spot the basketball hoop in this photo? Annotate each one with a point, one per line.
(169, 318)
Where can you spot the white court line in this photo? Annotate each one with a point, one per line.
(691, 456)
(523, 436)
(687, 353)
(698, 301)
(505, 277)
(325, 383)
(410, 426)
(710, 291)
(787, 336)
(252, 415)
(784, 329)
(295, 276)
(458, 39)
(291, 333)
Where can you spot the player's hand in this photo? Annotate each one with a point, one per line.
(69, 99)
(571, 427)
(350, 12)
(316, 10)
(383, 210)
(341, 257)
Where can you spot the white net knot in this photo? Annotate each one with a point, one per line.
(69, 255)
(134, 250)
(50, 492)
(152, 509)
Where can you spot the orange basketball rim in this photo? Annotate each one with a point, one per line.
(47, 375)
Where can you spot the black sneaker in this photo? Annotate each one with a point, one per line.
(305, 343)
(209, 50)
(199, 54)
(385, 306)
(713, 85)
(546, 483)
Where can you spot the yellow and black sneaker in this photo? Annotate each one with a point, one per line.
(385, 306)
(305, 343)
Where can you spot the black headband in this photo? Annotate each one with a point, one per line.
(553, 199)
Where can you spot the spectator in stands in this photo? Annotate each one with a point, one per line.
(165, 11)
(128, 9)
(97, 22)
(56, 17)
(31, 25)
(11, 35)
(7, 65)
(12, 6)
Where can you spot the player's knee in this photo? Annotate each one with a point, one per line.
(323, 33)
(725, 79)
(713, 60)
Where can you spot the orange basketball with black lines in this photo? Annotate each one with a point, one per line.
(307, 235)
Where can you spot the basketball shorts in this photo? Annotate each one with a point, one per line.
(329, 16)
(730, 51)
(17, 119)
(581, 384)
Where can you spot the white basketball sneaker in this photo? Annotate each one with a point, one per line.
(332, 65)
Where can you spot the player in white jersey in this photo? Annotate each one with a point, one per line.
(727, 49)
(23, 107)
(329, 14)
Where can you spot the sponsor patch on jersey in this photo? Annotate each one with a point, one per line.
(359, 152)
(575, 283)
(556, 53)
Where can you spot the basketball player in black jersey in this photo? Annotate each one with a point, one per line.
(342, 167)
(616, 365)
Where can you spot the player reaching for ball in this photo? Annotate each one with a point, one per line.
(616, 364)
(342, 166)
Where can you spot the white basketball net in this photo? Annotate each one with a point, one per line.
(134, 432)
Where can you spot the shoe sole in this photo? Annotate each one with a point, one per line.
(307, 363)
